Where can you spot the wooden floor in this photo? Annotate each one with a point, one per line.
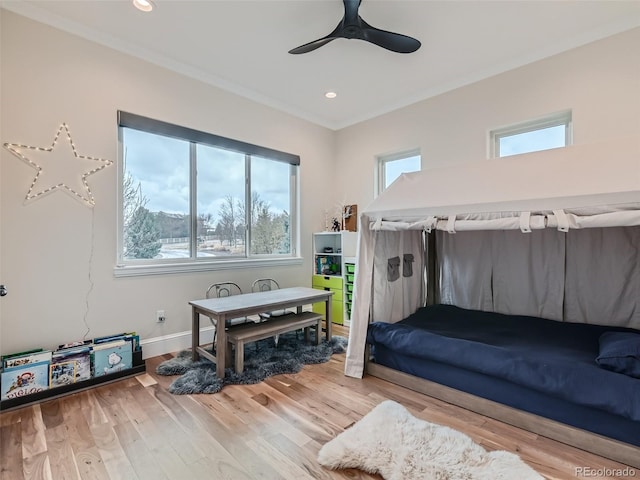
(134, 429)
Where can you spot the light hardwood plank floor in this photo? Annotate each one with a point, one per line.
(135, 430)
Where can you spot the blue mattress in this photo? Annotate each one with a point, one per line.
(551, 360)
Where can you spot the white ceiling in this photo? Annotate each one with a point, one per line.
(242, 45)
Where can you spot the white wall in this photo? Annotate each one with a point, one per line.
(57, 255)
(600, 82)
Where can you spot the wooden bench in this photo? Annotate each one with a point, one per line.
(252, 332)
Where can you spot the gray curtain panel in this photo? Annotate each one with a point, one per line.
(586, 275)
(528, 272)
(395, 295)
(603, 276)
(465, 267)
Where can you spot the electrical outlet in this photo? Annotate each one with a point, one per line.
(160, 317)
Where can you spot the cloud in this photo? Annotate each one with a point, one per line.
(161, 166)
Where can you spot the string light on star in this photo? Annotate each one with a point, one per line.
(75, 166)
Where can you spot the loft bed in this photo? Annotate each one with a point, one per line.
(505, 291)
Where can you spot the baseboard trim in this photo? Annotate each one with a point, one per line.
(174, 342)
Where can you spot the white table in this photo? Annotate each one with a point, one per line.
(221, 310)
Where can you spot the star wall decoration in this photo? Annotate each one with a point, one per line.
(59, 167)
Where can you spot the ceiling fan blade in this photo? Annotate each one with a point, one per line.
(309, 47)
(396, 42)
(353, 27)
(351, 11)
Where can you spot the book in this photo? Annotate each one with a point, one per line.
(62, 373)
(20, 354)
(127, 336)
(110, 338)
(322, 265)
(112, 357)
(70, 365)
(135, 342)
(75, 343)
(26, 358)
(23, 380)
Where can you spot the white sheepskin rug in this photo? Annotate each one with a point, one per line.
(392, 442)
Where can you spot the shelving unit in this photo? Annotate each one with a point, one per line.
(139, 367)
(330, 251)
(349, 278)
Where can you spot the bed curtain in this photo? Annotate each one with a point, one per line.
(569, 269)
(583, 276)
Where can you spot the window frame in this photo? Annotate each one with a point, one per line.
(135, 267)
(381, 166)
(555, 119)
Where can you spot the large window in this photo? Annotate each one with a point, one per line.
(551, 131)
(192, 200)
(392, 166)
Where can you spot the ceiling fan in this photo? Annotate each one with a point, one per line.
(353, 26)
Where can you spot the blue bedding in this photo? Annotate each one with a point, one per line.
(555, 358)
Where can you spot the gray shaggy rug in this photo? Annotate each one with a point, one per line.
(262, 359)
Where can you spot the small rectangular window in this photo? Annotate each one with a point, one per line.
(551, 131)
(390, 167)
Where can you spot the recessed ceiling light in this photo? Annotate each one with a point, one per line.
(331, 94)
(144, 5)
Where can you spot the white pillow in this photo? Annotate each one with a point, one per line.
(392, 442)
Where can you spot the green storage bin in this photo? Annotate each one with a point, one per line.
(351, 268)
(350, 278)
